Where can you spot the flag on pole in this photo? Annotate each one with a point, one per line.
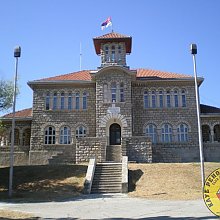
(106, 23)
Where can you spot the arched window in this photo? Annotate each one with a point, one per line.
(54, 101)
(80, 131)
(65, 135)
(47, 101)
(77, 101)
(84, 104)
(161, 99)
(182, 132)
(176, 99)
(168, 100)
(217, 132)
(206, 133)
(70, 101)
(26, 137)
(122, 99)
(16, 136)
(106, 54)
(146, 100)
(153, 99)
(119, 53)
(183, 98)
(105, 92)
(113, 54)
(113, 91)
(49, 135)
(151, 131)
(62, 101)
(166, 133)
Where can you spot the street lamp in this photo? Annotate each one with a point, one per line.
(17, 54)
(193, 49)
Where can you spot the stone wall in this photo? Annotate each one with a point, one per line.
(106, 77)
(211, 152)
(90, 147)
(139, 149)
(58, 118)
(172, 115)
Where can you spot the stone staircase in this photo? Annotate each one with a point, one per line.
(113, 153)
(107, 178)
(66, 156)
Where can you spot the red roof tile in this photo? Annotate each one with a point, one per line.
(25, 113)
(154, 74)
(83, 75)
(112, 37)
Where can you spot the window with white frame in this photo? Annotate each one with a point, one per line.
(70, 101)
(80, 131)
(168, 99)
(65, 135)
(161, 99)
(119, 53)
(151, 131)
(176, 99)
(106, 53)
(113, 54)
(122, 99)
(49, 135)
(55, 101)
(47, 101)
(182, 132)
(77, 101)
(62, 101)
(166, 133)
(183, 95)
(153, 99)
(113, 92)
(84, 103)
(146, 99)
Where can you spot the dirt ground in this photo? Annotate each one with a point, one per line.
(168, 181)
(162, 181)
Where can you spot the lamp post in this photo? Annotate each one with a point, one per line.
(17, 54)
(193, 49)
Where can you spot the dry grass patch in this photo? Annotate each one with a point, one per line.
(44, 183)
(9, 214)
(172, 181)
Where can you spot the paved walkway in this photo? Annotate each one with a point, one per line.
(117, 206)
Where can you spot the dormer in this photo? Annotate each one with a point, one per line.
(113, 48)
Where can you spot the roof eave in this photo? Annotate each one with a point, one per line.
(17, 119)
(55, 82)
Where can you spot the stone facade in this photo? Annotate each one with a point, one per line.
(114, 111)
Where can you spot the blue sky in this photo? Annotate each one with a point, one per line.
(50, 32)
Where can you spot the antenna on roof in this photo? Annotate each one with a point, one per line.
(80, 56)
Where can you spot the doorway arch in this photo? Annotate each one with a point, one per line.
(115, 134)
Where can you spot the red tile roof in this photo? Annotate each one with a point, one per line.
(25, 113)
(154, 74)
(85, 75)
(112, 37)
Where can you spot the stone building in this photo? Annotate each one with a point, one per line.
(112, 111)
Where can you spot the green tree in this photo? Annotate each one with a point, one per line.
(6, 95)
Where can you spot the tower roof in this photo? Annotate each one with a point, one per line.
(112, 37)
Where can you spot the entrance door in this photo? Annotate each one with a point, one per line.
(115, 134)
